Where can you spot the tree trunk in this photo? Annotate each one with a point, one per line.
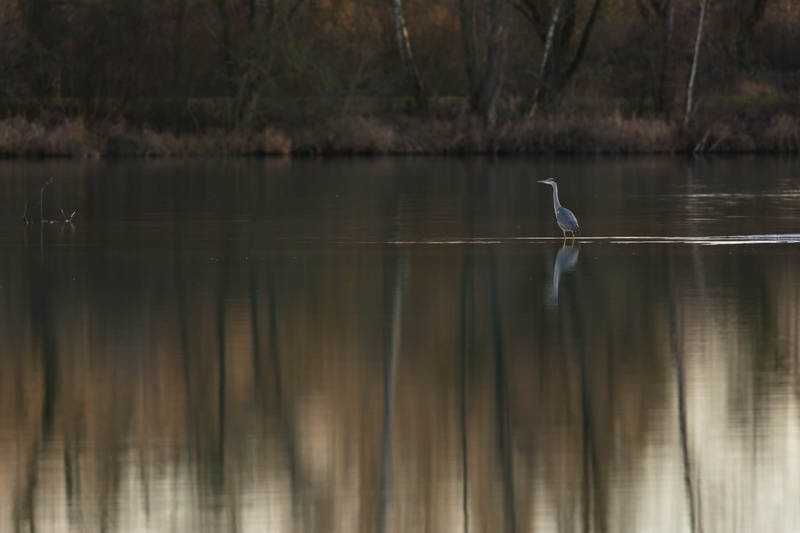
(177, 44)
(695, 57)
(495, 60)
(226, 45)
(548, 45)
(484, 68)
(37, 42)
(663, 99)
(407, 56)
(560, 59)
(746, 27)
(248, 72)
(471, 60)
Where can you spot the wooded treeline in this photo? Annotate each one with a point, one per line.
(495, 69)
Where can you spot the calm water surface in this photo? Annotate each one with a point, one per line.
(400, 345)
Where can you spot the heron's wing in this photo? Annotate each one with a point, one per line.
(566, 258)
(567, 220)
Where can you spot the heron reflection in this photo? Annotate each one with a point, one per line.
(565, 261)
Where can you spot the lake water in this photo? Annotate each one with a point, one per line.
(400, 345)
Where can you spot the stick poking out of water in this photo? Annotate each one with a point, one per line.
(41, 198)
(66, 219)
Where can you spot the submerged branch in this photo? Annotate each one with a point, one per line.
(41, 198)
(64, 218)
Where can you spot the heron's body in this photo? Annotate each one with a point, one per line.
(564, 217)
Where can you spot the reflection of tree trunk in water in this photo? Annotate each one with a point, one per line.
(183, 312)
(467, 344)
(501, 392)
(255, 329)
(593, 510)
(72, 474)
(392, 351)
(467, 348)
(500, 377)
(25, 499)
(224, 287)
(274, 349)
(285, 420)
(680, 378)
(43, 326)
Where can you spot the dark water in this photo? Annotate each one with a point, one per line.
(400, 345)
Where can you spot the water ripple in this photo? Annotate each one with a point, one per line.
(771, 238)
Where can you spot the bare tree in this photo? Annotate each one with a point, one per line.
(177, 43)
(695, 57)
(748, 20)
(406, 55)
(558, 25)
(660, 16)
(249, 67)
(484, 66)
(548, 44)
(36, 42)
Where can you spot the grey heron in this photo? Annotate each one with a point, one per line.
(564, 217)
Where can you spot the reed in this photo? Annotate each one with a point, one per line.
(451, 132)
(781, 135)
(22, 137)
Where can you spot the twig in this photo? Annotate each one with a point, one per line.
(41, 198)
(700, 146)
(66, 218)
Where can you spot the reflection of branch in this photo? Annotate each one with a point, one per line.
(680, 378)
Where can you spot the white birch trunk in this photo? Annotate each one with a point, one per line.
(690, 85)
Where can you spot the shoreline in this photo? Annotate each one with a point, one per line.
(777, 132)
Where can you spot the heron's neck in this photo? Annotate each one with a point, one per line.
(556, 203)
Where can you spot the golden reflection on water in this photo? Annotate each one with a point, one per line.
(222, 380)
(234, 394)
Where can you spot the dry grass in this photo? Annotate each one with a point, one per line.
(349, 135)
(267, 142)
(782, 134)
(755, 88)
(601, 135)
(19, 136)
(460, 133)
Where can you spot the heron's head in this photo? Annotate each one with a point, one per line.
(548, 181)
